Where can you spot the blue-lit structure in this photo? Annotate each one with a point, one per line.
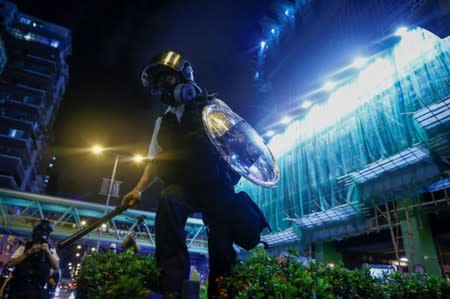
(371, 147)
(32, 84)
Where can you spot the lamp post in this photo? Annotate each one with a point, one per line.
(113, 175)
(97, 150)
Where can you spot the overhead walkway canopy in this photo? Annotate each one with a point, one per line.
(19, 211)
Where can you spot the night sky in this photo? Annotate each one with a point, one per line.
(111, 43)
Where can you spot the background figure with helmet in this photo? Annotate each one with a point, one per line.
(36, 266)
(196, 177)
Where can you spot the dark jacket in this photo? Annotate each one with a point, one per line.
(188, 155)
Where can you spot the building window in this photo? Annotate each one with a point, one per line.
(16, 133)
(34, 38)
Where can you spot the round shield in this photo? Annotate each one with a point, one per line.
(240, 145)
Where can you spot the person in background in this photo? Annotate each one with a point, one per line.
(130, 243)
(33, 264)
(113, 248)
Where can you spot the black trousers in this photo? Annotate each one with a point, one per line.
(25, 291)
(175, 205)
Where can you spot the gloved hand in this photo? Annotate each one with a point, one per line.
(131, 199)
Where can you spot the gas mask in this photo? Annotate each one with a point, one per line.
(172, 90)
(171, 78)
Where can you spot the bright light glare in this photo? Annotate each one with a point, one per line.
(306, 104)
(401, 31)
(403, 259)
(270, 133)
(286, 120)
(104, 225)
(329, 86)
(359, 62)
(78, 246)
(273, 30)
(415, 47)
(83, 222)
(77, 254)
(138, 158)
(93, 249)
(286, 12)
(97, 149)
(263, 44)
(375, 78)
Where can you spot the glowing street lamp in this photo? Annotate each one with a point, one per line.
(138, 158)
(97, 149)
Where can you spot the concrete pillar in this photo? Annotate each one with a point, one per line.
(418, 241)
(327, 253)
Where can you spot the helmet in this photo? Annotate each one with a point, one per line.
(168, 60)
(43, 224)
(42, 230)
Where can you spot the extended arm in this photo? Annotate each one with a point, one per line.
(19, 256)
(147, 175)
(134, 196)
(53, 258)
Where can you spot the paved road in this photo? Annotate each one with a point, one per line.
(62, 294)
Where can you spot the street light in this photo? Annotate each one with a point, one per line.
(138, 158)
(96, 149)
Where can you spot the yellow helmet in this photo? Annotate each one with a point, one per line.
(168, 60)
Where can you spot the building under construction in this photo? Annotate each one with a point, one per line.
(365, 159)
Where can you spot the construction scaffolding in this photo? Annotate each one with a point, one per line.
(391, 141)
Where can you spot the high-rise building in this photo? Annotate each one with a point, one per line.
(32, 84)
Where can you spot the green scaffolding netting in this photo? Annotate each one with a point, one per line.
(366, 119)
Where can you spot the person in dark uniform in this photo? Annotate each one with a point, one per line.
(196, 178)
(34, 262)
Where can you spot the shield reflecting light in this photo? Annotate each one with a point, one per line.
(240, 145)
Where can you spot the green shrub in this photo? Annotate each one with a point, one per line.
(126, 275)
(264, 276)
(123, 275)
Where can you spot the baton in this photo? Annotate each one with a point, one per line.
(91, 227)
